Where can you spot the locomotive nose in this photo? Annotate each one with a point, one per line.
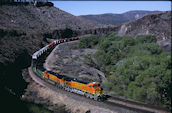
(98, 89)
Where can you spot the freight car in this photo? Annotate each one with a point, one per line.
(86, 88)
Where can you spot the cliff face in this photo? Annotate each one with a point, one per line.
(156, 24)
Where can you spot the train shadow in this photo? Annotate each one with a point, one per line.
(105, 97)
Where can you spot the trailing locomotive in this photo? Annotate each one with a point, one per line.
(86, 88)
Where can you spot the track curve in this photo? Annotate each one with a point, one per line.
(113, 103)
(116, 108)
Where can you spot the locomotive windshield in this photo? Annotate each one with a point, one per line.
(96, 86)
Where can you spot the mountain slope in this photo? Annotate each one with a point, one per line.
(118, 19)
(27, 23)
(31, 19)
(156, 24)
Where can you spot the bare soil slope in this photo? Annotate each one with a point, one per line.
(72, 62)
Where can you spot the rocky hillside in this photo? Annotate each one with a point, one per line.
(26, 27)
(23, 30)
(156, 24)
(118, 19)
(31, 19)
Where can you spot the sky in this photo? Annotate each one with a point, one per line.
(100, 7)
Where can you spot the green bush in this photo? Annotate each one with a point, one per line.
(102, 58)
(146, 39)
(112, 49)
(88, 42)
(104, 45)
(110, 34)
(128, 41)
(37, 108)
(145, 49)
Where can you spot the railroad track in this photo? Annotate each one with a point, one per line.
(137, 105)
(116, 108)
(112, 100)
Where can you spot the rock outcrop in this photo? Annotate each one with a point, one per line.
(156, 24)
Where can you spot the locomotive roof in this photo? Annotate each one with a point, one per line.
(69, 78)
(82, 81)
(57, 75)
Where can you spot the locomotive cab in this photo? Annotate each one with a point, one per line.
(96, 89)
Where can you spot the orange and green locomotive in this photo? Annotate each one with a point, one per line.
(86, 88)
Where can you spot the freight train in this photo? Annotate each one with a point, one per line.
(87, 88)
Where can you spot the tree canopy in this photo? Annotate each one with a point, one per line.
(138, 68)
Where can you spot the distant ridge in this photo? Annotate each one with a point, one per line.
(118, 19)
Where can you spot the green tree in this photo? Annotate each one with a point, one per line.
(105, 44)
(89, 41)
(128, 41)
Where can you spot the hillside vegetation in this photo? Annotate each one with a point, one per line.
(138, 68)
(135, 23)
